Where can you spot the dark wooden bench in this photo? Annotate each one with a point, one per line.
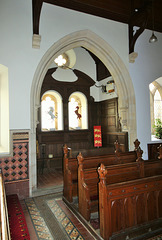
(70, 166)
(88, 180)
(127, 205)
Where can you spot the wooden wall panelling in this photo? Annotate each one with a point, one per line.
(103, 113)
(110, 137)
(152, 150)
(109, 113)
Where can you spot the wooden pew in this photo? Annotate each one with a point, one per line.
(88, 179)
(127, 205)
(70, 166)
(70, 175)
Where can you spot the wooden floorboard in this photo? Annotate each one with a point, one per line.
(50, 178)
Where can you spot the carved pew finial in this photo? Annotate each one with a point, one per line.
(102, 173)
(66, 151)
(136, 144)
(160, 152)
(65, 148)
(80, 159)
(138, 150)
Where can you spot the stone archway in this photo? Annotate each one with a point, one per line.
(112, 61)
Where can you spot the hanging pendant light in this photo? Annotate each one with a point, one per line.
(153, 38)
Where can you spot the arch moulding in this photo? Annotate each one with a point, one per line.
(99, 47)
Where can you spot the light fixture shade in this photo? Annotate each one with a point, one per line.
(153, 38)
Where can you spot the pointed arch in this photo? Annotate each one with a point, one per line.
(99, 47)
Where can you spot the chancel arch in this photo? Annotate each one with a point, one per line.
(118, 70)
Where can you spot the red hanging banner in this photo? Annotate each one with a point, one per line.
(97, 136)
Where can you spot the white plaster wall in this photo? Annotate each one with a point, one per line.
(147, 68)
(84, 63)
(56, 22)
(17, 54)
(16, 46)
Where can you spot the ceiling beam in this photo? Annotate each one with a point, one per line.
(139, 19)
(36, 10)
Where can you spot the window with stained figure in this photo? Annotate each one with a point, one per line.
(75, 116)
(49, 113)
(52, 111)
(78, 117)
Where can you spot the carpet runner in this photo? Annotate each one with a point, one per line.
(17, 222)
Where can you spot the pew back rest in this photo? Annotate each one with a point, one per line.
(123, 172)
(95, 161)
(73, 167)
(126, 157)
(115, 174)
(110, 159)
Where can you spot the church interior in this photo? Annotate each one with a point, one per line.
(81, 120)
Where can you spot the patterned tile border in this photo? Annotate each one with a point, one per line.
(60, 216)
(65, 222)
(52, 219)
(39, 224)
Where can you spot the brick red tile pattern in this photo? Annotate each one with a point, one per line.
(16, 167)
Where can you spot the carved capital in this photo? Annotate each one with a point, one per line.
(132, 57)
(36, 41)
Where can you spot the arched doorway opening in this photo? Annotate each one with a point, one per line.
(112, 61)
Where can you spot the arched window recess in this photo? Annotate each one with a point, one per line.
(156, 110)
(77, 111)
(51, 111)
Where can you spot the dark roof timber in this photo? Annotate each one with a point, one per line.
(121, 11)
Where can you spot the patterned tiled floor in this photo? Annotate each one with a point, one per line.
(52, 219)
(48, 217)
(70, 224)
(39, 224)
